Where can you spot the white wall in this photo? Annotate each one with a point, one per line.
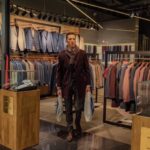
(120, 31)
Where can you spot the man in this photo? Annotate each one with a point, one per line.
(73, 81)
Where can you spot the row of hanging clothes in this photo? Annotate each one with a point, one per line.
(116, 48)
(90, 49)
(39, 39)
(43, 71)
(96, 73)
(122, 80)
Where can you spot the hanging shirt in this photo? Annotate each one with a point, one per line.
(21, 39)
(13, 38)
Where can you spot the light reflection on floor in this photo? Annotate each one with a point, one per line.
(52, 137)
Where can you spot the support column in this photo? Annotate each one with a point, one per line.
(5, 41)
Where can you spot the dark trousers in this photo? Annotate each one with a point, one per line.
(73, 99)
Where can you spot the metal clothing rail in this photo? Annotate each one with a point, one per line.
(138, 54)
(39, 23)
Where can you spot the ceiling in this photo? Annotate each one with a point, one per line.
(138, 7)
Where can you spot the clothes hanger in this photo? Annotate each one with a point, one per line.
(33, 26)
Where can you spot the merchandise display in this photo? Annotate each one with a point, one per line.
(41, 71)
(122, 80)
(37, 40)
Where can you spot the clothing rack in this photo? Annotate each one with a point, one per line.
(37, 25)
(96, 90)
(138, 55)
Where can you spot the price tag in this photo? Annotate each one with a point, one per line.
(8, 105)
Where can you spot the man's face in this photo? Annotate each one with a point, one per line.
(71, 40)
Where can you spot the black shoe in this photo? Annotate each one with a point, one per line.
(78, 133)
(69, 137)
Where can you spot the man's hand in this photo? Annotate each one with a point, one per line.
(59, 91)
(88, 89)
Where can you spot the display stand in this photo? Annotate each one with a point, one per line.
(19, 119)
(140, 133)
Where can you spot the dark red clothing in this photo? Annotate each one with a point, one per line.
(81, 73)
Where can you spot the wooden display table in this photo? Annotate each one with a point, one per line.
(140, 133)
(19, 119)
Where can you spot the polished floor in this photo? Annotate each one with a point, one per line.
(96, 126)
(97, 136)
(53, 137)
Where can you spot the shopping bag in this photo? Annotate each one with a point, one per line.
(59, 108)
(88, 107)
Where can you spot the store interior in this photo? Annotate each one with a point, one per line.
(115, 35)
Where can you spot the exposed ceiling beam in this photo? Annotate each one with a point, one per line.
(111, 10)
(81, 11)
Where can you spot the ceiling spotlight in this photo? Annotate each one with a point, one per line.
(69, 19)
(54, 18)
(24, 13)
(88, 25)
(132, 15)
(11, 9)
(17, 11)
(49, 17)
(39, 16)
(72, 21)
(59, 19)
(91, 26)
(44, 16)
(82, 24)
(64, 19)
(97, 27)
(77, 23)
(31, 14)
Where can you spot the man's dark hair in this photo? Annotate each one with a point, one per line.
(70, 33)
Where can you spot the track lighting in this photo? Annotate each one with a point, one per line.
(53, 17)
(60, 20)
